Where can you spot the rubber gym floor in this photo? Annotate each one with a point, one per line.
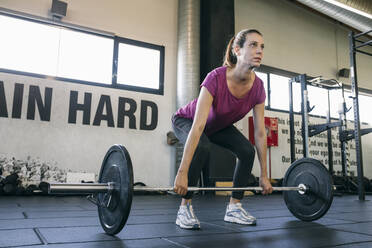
(72, 221)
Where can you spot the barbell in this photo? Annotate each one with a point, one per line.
(307, 190)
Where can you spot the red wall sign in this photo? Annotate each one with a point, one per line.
(271, 125)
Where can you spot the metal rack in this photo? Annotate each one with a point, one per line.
(353, 38)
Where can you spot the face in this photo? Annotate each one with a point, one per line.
(251, 53)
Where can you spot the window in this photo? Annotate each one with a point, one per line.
(365, 102)
(140, 65)
(43, 48)
(336, 102)
(279, 92)
(28, 46)
(263, 77)
(85, 57)
(277, 97)
(55, 51)
(297, 97)
(318, 98)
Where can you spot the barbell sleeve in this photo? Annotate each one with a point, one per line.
(79, 188)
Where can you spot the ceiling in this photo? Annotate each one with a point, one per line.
(356, 14)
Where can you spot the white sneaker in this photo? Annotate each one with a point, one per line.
(235, 213)
(186, 218)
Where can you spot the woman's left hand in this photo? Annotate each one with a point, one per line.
(266, 185)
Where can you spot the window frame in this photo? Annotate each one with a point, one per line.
(161, 49)
(116, 39)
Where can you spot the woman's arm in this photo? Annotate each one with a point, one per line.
(201, 115)
(261, 145)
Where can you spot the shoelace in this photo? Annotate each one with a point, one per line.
(191, 212)
(239, 206)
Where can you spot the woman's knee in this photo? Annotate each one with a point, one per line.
(246, 152)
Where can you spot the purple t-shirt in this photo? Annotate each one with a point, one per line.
(226, 109)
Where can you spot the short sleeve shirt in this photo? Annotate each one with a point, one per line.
(226, 109)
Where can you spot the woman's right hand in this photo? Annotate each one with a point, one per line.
(180, 183)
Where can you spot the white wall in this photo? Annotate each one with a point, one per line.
(80, 147)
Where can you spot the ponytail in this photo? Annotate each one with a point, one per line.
(230, 58)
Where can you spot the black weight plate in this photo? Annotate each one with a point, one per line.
(116, 167)
(316, 201)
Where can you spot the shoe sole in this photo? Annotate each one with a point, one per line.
(237, 221)
(178, 223)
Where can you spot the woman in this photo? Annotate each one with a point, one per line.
(227, 94)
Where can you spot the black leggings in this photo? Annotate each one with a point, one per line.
(229, 138)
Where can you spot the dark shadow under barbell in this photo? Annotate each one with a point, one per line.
(307, 189)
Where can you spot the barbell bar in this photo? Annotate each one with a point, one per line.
(301, 188)
(307, 189)
(88, 188)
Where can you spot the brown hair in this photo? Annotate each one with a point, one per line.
(237, 40)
